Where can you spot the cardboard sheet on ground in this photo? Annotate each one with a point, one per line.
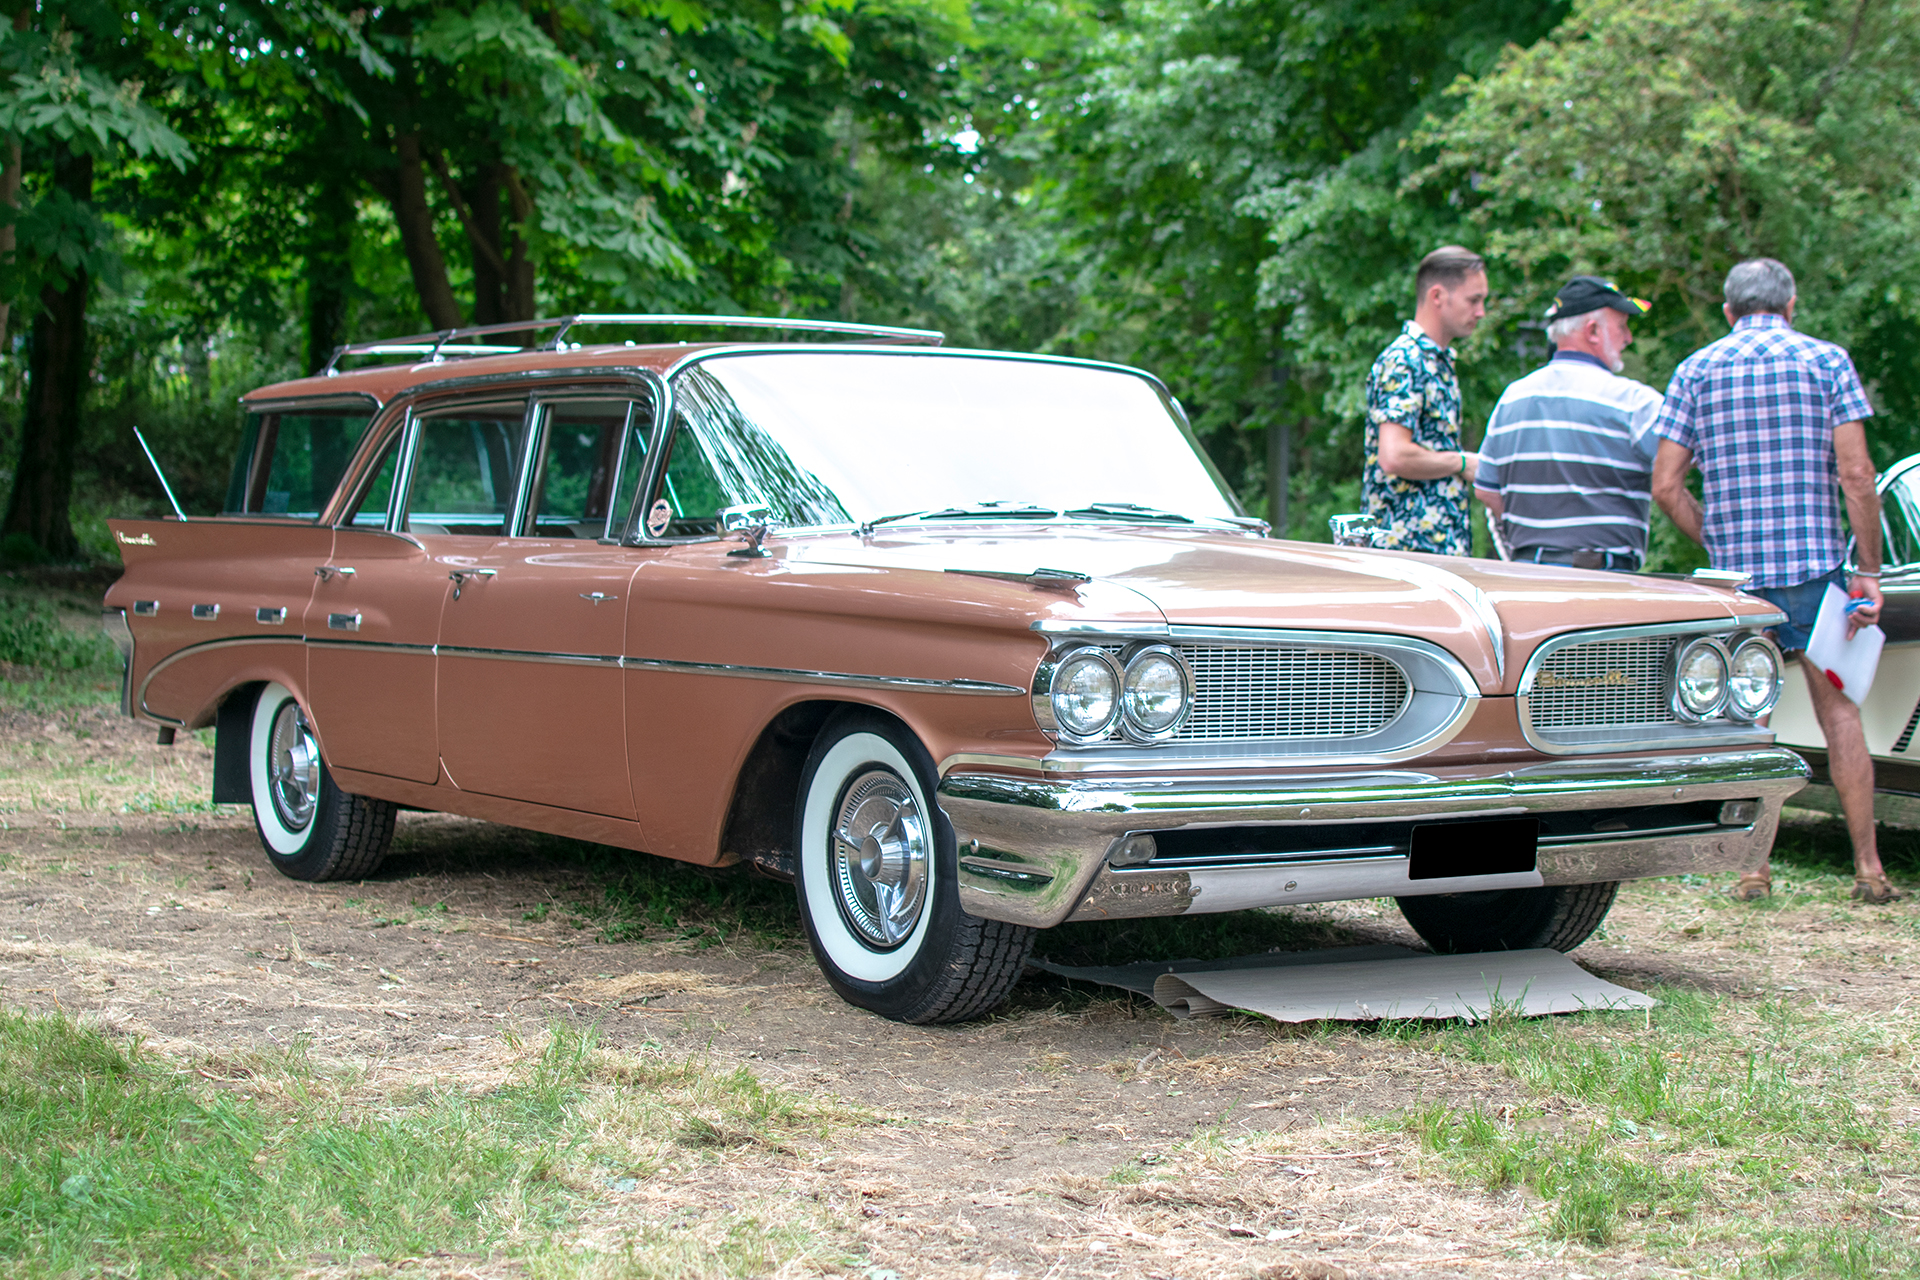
(1363, 984)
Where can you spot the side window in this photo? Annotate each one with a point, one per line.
(369, 510)
(591, 452)
(691, 488)
(1900, 519)
(290, 462)
(465, 470)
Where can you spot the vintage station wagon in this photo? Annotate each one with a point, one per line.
(965, 644)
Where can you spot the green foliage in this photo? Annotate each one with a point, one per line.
(1661, 142)
(31, 635)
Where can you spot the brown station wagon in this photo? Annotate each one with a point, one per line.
(965, 644)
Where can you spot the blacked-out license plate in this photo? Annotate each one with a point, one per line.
(1499, 846)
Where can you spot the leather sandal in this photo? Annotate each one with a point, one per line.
(1877, 890)
(1752, 886)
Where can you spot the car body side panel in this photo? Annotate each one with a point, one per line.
(718, 646)
(251, 581)
(570, 823)
(371, 635)
(529, 687)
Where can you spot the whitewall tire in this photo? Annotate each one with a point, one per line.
(310, 829)
(876, 871)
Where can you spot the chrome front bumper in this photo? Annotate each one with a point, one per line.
(1033, 850)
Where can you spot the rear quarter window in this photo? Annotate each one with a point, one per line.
(291, 460)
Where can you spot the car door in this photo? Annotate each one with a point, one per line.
(530, 693)
(449, 480)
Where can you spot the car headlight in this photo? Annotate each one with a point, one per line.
(1700, 679)
(1753, 679)
(1085, 693)
(1156, 693)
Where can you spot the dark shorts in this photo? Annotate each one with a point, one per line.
(1801, 604)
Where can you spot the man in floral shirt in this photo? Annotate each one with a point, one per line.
(1417, 476)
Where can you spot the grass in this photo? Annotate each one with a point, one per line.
(119, 1161)
(54, 658)
(1713, 1132)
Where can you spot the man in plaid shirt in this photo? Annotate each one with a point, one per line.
(1775, 421)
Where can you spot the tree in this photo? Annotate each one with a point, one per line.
(1661, 141)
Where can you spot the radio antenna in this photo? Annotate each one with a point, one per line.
(148, 450)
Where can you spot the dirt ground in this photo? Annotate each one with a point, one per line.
(126, 901)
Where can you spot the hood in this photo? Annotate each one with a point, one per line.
(1488, 613)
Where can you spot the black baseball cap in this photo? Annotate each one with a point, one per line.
(1590, 293)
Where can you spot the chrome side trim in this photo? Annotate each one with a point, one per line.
(270, 617)
(204, 646)
(918, 684)
(525, 655)
(343, 621)
(205, 612)
(1729, 733)
(1143, 629)
(370, 646)
(145, 608)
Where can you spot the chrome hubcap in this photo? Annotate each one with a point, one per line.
(293, 767)
(881, 848)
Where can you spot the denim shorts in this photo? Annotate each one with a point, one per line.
(1801, 604)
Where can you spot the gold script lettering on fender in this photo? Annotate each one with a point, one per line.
(144, 540)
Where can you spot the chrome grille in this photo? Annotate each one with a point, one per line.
(1276, 694)
(1604, 684)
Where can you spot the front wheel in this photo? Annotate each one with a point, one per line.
(877, 874)
(310, 828)
(1560, 916)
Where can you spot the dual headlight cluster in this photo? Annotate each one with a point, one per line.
(1083, 694)
(1740, 680)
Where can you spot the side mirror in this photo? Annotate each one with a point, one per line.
(749, 522)
(1355, 530)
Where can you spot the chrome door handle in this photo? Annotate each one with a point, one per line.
(326, 571)
(459, 578)
(597, 596)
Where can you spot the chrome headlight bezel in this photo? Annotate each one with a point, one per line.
(1048, 681)
(1689, 709)
(1755, 643)
(1137, 659)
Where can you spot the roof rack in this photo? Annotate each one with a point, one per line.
(440, 345)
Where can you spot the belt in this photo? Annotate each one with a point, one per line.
(1627, 560)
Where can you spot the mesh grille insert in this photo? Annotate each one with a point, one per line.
(1242, 694)
(1604, 684)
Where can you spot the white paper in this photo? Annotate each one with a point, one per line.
(1849, 662)
(1361, 984)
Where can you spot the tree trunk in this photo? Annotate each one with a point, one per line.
(10, 178)
(56, 383)
(330, 217)
(408, 195)
(483, 233)
(520, 299)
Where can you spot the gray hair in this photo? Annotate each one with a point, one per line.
(1759, 285)
(1566, 326)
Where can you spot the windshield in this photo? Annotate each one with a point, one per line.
(824, 438)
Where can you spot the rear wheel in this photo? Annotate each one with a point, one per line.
(310, 828)
(876, 871)
(1559, 916)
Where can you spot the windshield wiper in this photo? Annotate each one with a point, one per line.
(1129, 511)
(994, 509)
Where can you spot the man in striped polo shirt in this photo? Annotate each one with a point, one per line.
(1568, 456)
